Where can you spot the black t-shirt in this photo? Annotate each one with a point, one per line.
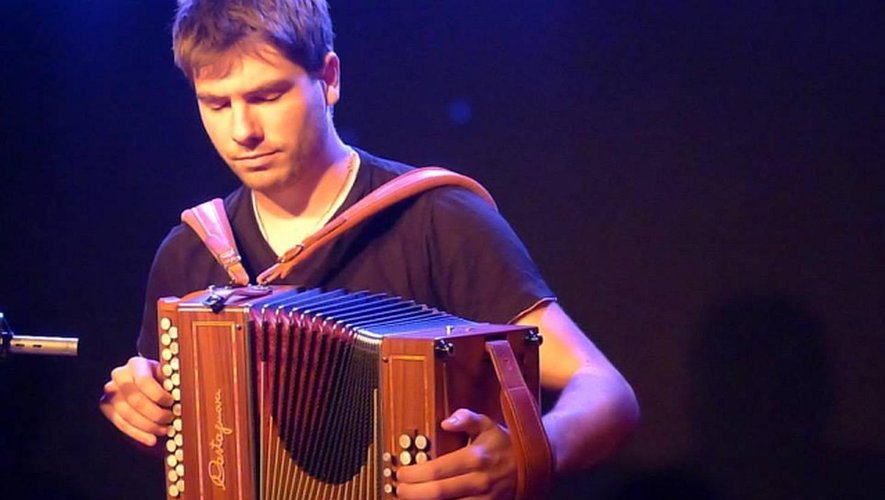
(446, 248)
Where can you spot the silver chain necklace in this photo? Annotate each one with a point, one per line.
(353, 163)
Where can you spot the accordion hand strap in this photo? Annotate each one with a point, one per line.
(534, 460)
(400, 188)
(209, 221)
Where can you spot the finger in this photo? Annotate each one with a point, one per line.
(459, 462)
(464, 420)
(146, 375)
(123, 383)
(125, 427)
(473, 483)
(147, 408)
(136, 416)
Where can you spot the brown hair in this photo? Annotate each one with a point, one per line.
(204, 30)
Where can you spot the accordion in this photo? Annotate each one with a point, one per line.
(285, 393)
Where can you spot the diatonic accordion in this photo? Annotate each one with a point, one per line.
(285, 393)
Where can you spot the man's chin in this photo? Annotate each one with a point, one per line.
(265, 184)
(262, 187)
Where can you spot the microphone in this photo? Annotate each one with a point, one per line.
(46, 346)
(26, 344)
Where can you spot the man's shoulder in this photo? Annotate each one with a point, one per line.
(182, 239)
(445, 198)
(380, 170)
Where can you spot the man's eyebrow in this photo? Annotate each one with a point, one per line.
(281, 85)
(207, 97)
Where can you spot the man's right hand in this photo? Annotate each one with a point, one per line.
(136, 403)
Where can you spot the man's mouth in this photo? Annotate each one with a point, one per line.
(252, 156)
(254, 160)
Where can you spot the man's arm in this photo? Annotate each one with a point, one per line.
(596, 411)
(597, 408)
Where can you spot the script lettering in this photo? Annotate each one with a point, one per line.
(216, 466)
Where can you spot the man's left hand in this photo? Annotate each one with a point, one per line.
(485, 468)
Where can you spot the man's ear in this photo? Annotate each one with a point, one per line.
(331, 77)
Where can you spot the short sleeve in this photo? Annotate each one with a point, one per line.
(482, 270)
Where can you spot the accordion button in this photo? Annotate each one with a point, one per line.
(170, 446)
(173, 347)
(420, 457)
(173, 490)
(180, 469)
(168, 385)
(170, 432)
(173, 476)
(176, 424)
(386, 457)
(179, 440)
(173, 332)
(179, 454)
(180, 485)
(174, 363)
(405, 441)
(176, 394)
(176, 409)
(405, 458)
(166, 354)
(389, 489)
(176, 379)
(165, 339)
(387, 472)
(421, 442)
(165, 323)
(167, 370)
(171, 461)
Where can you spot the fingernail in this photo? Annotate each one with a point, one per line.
(453, 420)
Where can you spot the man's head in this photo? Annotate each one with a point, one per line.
(266, 80)
(206, 30)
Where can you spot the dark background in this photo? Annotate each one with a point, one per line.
(700, 182)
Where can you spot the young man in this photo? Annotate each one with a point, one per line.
(266, 80)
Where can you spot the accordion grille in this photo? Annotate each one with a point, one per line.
(317, 397)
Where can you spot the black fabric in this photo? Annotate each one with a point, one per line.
(445, 248)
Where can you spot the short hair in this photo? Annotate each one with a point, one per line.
(205, 29)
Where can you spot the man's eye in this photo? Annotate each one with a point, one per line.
(217, 105)
(267, 97)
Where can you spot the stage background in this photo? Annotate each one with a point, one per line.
(700, 182)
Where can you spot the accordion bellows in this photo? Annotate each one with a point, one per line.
(286, 393)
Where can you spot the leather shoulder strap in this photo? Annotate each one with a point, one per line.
(534, 459)
(209, 221)
(398, 189)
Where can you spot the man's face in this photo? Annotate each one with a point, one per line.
(265, 115)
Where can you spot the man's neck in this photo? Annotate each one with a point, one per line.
(288, 216)
(311, 194)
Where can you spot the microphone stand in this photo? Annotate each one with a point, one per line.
(24, 344)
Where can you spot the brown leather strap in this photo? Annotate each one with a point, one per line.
(209, 221)
(400, 188)
(534, 460)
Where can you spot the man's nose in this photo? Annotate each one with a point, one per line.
(245, 126)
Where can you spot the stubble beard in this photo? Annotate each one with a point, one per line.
(274, 178)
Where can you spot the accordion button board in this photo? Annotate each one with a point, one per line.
(314, 394)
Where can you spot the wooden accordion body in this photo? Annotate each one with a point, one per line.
(297, 394)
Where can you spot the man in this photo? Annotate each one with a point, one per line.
(266, 81)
